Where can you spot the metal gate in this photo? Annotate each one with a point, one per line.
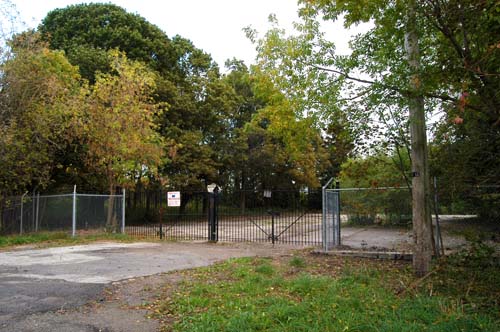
(149, 216)
(277, 217)
(331, 217)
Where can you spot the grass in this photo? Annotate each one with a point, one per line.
(321, 293)
(57, 238)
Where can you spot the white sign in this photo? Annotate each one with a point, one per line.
(211, 187)
(174, 198)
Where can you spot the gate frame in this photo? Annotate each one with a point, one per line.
(213, 217)
(335, 214)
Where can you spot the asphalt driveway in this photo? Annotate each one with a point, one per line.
(35, 283)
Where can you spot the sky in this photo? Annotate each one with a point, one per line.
(215, 26)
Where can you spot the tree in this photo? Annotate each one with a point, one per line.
(295, 140)
(118, 125)
(262, 144)
(376, 84)
(87, 31)
(464, 151)
(235, 144)
(39, 111)
(185, 75)
(422, 225)
(9, 23)
(193, 126)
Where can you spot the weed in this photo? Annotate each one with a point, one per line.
(470, 277)
(261, 295)
(265, 268)
(297, 262)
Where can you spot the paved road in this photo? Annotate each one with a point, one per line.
(36, 282)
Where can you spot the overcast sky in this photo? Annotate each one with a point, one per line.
(214, 26)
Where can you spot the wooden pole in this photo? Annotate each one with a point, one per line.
(422, 253)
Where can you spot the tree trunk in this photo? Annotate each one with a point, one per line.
(422, 253)
(111, 219)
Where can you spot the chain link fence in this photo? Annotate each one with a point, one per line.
(469, 201)
(393, 206)
(368, 206)
(74, 212)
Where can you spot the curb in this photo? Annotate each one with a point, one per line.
(389, 255)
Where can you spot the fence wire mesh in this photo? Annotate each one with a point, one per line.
(469, 201)
(55, 212)
(385, 206)
(75, 213)
(99, 212)
(331, 219)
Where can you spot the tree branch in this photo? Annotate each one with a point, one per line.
(361, 94)
(403, 92)
(441, 26)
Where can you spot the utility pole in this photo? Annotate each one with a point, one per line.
(422, 253)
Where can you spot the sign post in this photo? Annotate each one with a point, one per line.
(213, 227)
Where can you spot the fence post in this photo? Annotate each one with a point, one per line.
(33, 209)
(324, 213)
(338, 223)
(22, 213)
(323, 218)
(212, 216)
(73, 233)
(216, 214)
(439, 239)
(123, 210)
(37, 211)
(272, 227)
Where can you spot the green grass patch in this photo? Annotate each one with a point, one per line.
(58, 238)
(297, 262)
(325, 294)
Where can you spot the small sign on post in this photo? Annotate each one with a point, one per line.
(211, 188)
(174, 198)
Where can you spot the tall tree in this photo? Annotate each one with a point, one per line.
(465, 153)
(40, 96)
(421, 219)
(246, 105)
(193, 123)
(299, 154)
(87, 31)
(118, 125)
(184, 80)
(375, 83)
